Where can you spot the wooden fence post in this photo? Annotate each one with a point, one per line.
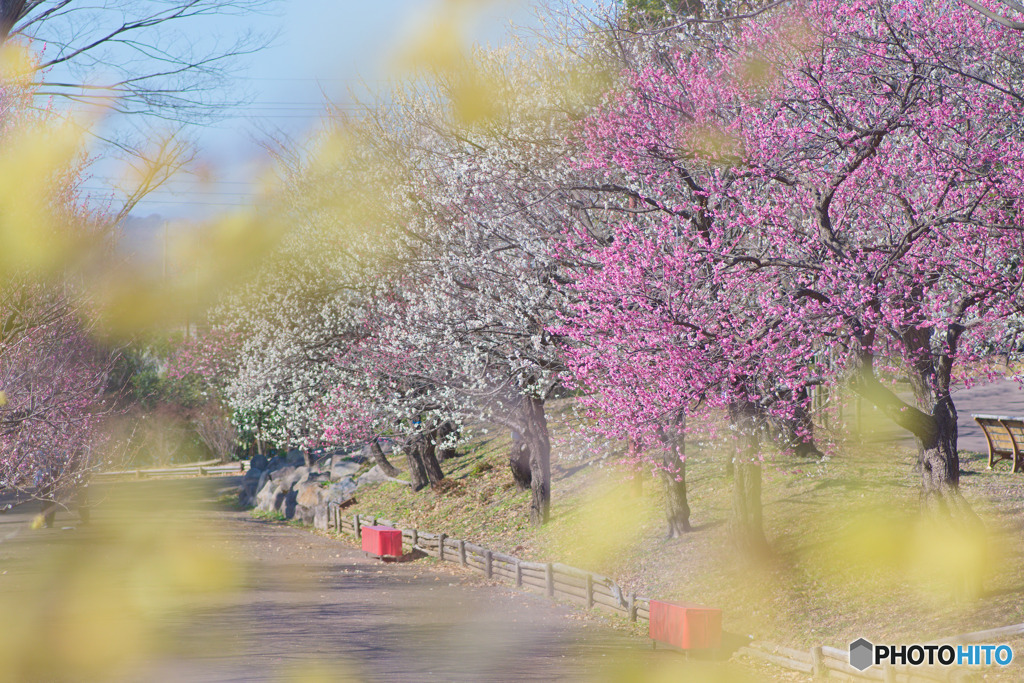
(440, 546)
(462, 553)
(355, 524)
(519, 575)
(550, 576)
(817, 662)
(488, 563)
(632, 606)
(415, 537)
(590, 590)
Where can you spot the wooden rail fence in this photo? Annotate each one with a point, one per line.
(556, 580)
(212, 467)
(562, 582)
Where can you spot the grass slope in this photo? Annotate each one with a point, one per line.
(851, 555)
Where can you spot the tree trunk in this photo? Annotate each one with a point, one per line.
(747, 528)
(417, 472)
(307, 457)
(633, 456)
(673, 475)
(519, 461)
(538, 443)
(797, 433)
(746, 523)
(932, 421)
(421, 453)
(939, 462)
(377, 453)
(429, 455)
(10, 12)
(446, 452)
(677, 507)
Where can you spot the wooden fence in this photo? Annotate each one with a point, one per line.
(210, 467)
(556, 580)
(562, 582)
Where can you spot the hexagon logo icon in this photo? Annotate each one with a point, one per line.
(862, 654)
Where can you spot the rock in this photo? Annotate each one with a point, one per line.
(251, 484)
(342, 467)
(267, 496)
(300, 475)
(374, 476)
(288, 505)
(276, 463)
(340, 492)
(289, 476)
(308, 494)
(306, 515)
(258, 462)
(295, 457)
(320, 517)
(281, 473)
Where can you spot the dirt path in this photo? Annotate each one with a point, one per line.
(312, 608)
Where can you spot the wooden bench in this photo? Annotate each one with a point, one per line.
(1005, 436)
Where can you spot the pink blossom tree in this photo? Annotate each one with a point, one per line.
(855, 169)
(53, 379)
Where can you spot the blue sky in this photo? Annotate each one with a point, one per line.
(322, 48)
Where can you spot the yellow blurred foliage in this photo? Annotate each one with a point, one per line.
(34, 236)
(94, 604)
(671, 669)
(17, 65)
(595, 533)
(441, 43)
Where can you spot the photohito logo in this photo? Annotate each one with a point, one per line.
(864, 655)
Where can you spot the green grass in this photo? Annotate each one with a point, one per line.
(268, 515)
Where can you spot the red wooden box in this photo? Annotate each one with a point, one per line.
(690, 627)
(382, 541)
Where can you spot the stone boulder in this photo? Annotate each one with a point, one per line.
(258, 462)
(375, 475)
(281, 472)
(269, 497)
(250, 486)
(308, 494)
(289, 476)
(340, 492)
(320, 517)
(276, 463)
(343, 467)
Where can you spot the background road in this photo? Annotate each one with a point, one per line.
(313, 608)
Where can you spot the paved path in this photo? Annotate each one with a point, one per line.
(308, 600)
(1004, 397)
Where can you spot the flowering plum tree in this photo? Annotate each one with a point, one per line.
(855, 169)
(52, 379)
(489, 196)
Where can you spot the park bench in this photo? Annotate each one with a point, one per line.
(1005, 436)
